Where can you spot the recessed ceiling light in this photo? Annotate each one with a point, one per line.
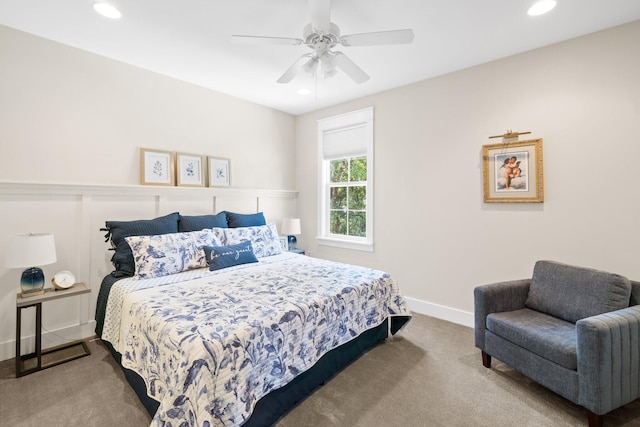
(304, 91)
(541, 7)
(107, 10)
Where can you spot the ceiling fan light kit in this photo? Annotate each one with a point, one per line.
(321, 36)
(311, 65)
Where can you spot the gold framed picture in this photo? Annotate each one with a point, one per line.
(190, 170)
(513, 172)
(219, 174)
(156, 167)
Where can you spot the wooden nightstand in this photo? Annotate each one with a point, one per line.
(297, 251)
(55, 355)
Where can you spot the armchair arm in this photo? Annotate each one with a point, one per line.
(608, 350)
(495, 298)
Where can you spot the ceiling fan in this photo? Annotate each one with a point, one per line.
(321, 36)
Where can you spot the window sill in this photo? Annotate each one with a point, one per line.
(345, 244)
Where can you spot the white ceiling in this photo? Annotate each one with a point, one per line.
(191, 39)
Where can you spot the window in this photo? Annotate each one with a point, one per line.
(348, 196)
(346, 180)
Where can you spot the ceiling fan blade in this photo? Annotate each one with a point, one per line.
(350, 68)
(293, 70)
(320, 11)
(378, 38)
(268, 40)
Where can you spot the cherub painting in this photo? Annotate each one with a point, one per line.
(511, 175)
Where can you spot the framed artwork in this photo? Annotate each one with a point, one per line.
(219, 175)
(156, 167)
(284, 243)
(190, 170)
(512, 172)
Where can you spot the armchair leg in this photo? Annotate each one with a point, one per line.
(595, 420)
(486, 360)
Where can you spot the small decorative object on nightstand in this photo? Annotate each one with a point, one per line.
(30, 250)
(284, 243)
(291, 227)
(63, 280)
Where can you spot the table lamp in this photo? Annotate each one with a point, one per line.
(291, 227)
(30, 250)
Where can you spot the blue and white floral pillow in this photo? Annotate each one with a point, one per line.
(263, 238)
(218, 232)
(207, 237)
(166, 254)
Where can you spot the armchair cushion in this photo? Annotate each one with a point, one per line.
(573, 293)
(547, 336)
(494, 298)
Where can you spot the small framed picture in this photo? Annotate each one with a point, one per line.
(284, 243)
(219, 174)
(156, 167)
(513, 172)
(190, 170)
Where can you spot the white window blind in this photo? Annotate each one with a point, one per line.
(345, 142)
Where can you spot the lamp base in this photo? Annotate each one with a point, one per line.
(32, 282)
(293, 241)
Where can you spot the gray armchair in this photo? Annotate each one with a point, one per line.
(574, 330)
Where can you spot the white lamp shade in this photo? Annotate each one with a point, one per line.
(290, 226)
(30, 250)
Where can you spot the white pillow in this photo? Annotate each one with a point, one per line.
(263, 238)
(172, 253)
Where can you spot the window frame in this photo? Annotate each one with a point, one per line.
(354, 120)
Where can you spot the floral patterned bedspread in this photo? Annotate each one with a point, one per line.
(210, 348)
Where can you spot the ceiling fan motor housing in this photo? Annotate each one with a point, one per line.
(320, 40)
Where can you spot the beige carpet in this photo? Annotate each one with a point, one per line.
(429, 375)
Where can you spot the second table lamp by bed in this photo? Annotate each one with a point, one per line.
(291, 227)
(30, 250)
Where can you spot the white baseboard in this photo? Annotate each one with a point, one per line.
(49, 339)
(441, 312)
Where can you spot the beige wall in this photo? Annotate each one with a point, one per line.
(71, 116)
(434, 234)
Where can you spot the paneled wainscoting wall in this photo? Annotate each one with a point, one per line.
(74, 213)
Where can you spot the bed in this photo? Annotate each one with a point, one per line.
(219, 326)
